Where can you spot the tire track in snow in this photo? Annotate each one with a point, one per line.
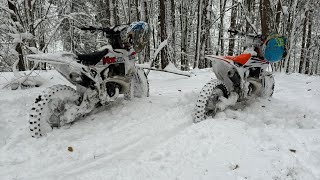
(154, 133)
(123, 152)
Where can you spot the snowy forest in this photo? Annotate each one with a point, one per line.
(189, 29)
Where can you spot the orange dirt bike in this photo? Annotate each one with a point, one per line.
(241, 77)
(96, 84)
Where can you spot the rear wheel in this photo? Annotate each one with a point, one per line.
(49, 107)
(207, 103)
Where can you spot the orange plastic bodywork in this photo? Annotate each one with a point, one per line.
(241, 59)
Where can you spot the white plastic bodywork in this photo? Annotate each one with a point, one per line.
(224, 68)
(66, 64)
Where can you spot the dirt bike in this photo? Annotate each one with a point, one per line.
(239, 78)
(97, 84)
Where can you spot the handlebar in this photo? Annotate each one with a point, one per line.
(233, 31)
(236, 32)
(107, 31)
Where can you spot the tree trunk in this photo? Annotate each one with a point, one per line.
(173, 25)
(18, 48)
(232, 26)
(291, 28)
(163, 34)
(278, 15)
(114, 18)
(308, 45)
(303, 43)
(71, 30)
(30, 20)
(146, 19)
(249, 8)
(184, 35)
(205, 32)
(103, 13)
(221, 26)
(197, 55)
(155, 62)
(137, 10)
(209, 51)
(317, 64)
(266, 17)
(129, 11)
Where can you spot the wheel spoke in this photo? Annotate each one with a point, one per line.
(211, 106)
(56, 107)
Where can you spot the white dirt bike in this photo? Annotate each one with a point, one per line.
(96, 85)
(239, 78)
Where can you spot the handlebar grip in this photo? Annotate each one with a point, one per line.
(90, 28)
(106, 30)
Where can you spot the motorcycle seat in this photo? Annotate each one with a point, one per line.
(92, 58)
(241, 59)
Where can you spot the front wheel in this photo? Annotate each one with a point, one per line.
(49, 108)
(139, 85)
(210, 96)
(268, 85)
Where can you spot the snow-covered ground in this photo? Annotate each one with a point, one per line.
(154, 138)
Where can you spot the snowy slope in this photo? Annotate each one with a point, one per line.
(154, 138)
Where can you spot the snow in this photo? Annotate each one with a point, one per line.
(252, 25)
(250, 50)
(161, 46)
(34, 50)
(4, 8)
(7, 27)
(285, 10)
(154, 138)
(19, 37)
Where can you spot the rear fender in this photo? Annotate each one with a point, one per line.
(65, 63)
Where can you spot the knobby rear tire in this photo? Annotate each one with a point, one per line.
(48, 106)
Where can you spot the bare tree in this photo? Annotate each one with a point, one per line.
(266, 17)
(163, 34)
(173, 28)
(308, 43)
(184, 34)
(232, 26)
(221, 26)
(303, 43)
(18, 47)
